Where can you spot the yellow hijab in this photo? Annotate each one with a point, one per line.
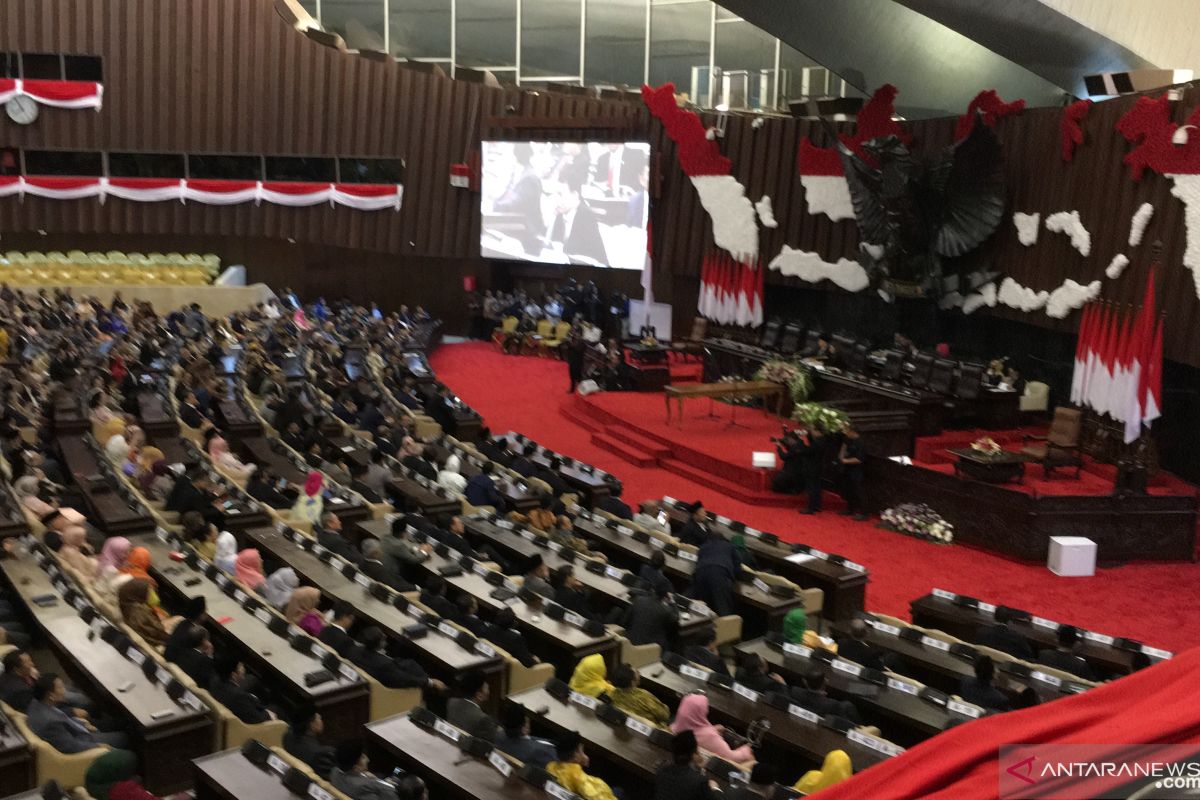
(590, 676)
(835, 770)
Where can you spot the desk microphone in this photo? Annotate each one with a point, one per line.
(462, 761)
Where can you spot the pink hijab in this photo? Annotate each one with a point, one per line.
(693, 716)
(113, 554)
(313, 483)
(248, 568)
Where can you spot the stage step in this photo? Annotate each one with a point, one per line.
(624, 450)
(728, 488)
(637, 441)
(576, 413)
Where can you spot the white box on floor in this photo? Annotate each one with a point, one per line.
(1072, 556)
(762, 459)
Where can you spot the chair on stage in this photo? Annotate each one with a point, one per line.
(893, 366)
(770, 335)
(941, 377)
(1036, 397)
(857, 359)
(790, 342)
(693, 344)
(922, 366)
(1060, 446)
(507, 326)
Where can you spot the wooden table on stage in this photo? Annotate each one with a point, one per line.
(679, 393)
(1000, 468)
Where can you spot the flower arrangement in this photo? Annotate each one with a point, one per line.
(919, 520)
(794, 376)
(987, 446)
(824, 418)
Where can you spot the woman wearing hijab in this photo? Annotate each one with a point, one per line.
(157, 481)
(280, 586)
(310, 505)
(693, 716)
(108, 428)
(137, 565)
(134, 600)
(795, 631)
(591, 676)
(302, 609)
(218, 451)
(75, 552)
(835, 769)
(113, 776)
(225, 553)
(112, 556)
(450, 477)
(249, 569)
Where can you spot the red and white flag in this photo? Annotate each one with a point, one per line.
(1082, 346)
(1152, 379)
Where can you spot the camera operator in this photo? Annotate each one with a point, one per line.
(789, 479)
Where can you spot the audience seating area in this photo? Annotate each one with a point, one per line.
(112, 268)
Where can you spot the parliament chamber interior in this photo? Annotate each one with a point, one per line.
(599, 399)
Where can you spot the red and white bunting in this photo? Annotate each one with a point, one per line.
(360, 196)
(58, 94)
(731, 293)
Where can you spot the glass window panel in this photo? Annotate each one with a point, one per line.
(792, 76)
(83, 68)
(299, 168)
(359, 22)
(679, 44)
(371, 170)
(615, 49)
(746, 56)
(60, 162)
(145, 165)
(419, 28)
(550, 37)
(487, 33)
(218, 167)
(42, 66)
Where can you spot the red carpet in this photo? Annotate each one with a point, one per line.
(1150, 602)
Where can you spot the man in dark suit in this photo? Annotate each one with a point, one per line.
(549, 474)
(515, 740)
(358, 472)
(856, 648)
(504, 633)
(523, 197)
(375, 568)
(401, 555)
(329, 536)
(574, 224)
(614, 505)
(813, 697)
(651, 574)
(1063, 657)
(227, 690)
(190, 493)
(523, 465)
(683, 778)
(394, 673)
(337, 633)
(705, 653)
(466, 713)
(189, 411)
(193, 654)
(433, 597)
(301, 740)
(467, 614)
(695, 530)
(812, 466)
(652, 619)
(485, 445)
(789, 479)
(980, 689)
(1002, 637)
(65, 733)
(482, 491)
(618, 170)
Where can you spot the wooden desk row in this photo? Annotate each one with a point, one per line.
(591, 483)
(236, 508)
(107, 499)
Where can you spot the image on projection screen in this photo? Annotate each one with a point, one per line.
(566, 202)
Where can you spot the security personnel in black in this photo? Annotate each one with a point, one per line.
(852, 458)
(789, 479)
(812, 466)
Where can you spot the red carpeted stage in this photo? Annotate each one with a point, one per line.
(1152, 602)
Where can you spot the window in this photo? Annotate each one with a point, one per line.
(797, 76)
(487, 33)
(550, 38)
(41, 66)
(146, 165)
(419, 28)
(746, 56)
(292, 168)
(63, 162)
(371, 170)
(360, 22)
(679, 39)
(616, 42)
(241, 168)
(83, 68)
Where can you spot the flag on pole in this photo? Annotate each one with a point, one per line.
(1152, 386)
(1143, 341)
(1081, 354)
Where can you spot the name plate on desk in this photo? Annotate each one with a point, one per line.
(637, 726)
(447, 629)
(318, 550)
(505, 524)
(613, 573)
(555, 547)
(572, 618)
(883, 627)
(191, 701)
(528, 536)
(263, 616)
(446, 729)
(240, 596)
(797, 650)
(872, 743)
(584, 700)
(988, 607)
(1099, 638)
(854, 566)
(136, 656)
(761, 585)
(936, 644)
(277, 764)
(1044, 678)
(656, 542)
(693, 672)
(1154, 652)
(501, 764)
(818, 554)
(558, 792)
(348, 672)
(804, 714)
(484, 649)
(1043, 623)
(317, 793)
(846, 666)
(624, 530)
(942, 593)
(163, 675)
(963, 708)
(362, 580)
(688, 555)
(903, 687)
(746, 692)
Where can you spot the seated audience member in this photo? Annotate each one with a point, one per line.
(795, 631)
(263, 486)
(351, 775)
(279, 587)
(248, 569)
(693, 716)
(813, 697)
(515, 740)
(200, 534)
(20, 675)
(466, 712)
(503, 632)
(75, 551)
(420, 460)
(225, 552)
(113, 776)
(1063, 656)
(481, 489)
(194, 654)
(303, 741)
(378, 474)
(450, 476)
(632, 699)
(683, 777)
(65, 733)
(357, 473)
(857, 649)
(695, 531)
(411, 787)
(301, 610)
(133, 598)
(568, 767)
(651, 573)
(548, 474)
(374, 567)
(493, 451)
(329, 536)
(706, 654)
(614, 505)
(194, 610)
(537, 577)
(433, 597)
(227, 690)
(394, 673)
(570, 593)
(467, 615)
(189, 411)
(652, 619)
(190, 492)
(400, 553)
(648, 517)
(227, 462)
(337, 633)
(1000, 636)
(523, 464)
(753, 673)
(981, 689)
(310, 504)
(835, 769)
(591, 676)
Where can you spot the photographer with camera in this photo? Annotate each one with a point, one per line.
(789, 479)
